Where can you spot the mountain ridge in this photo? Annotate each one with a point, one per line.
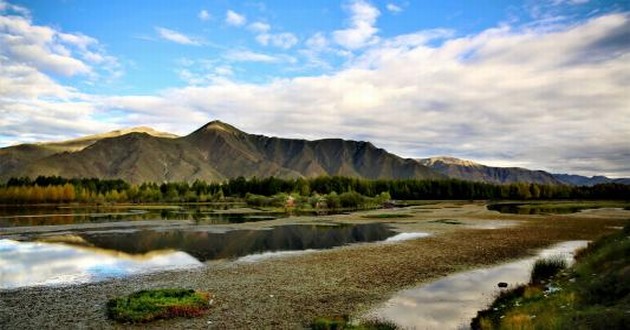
(218, 151)
(214, 152)
(471, 171)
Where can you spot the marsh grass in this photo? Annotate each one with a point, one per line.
(149, 305)
(544, 269)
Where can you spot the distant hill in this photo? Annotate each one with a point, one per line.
(471, 171)
(579, 180)
(216, 151)
(83, 142)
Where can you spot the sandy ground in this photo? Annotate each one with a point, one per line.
(289, 292)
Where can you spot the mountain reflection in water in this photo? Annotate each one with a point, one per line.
(205, 245)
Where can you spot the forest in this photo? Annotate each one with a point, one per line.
(261, 191)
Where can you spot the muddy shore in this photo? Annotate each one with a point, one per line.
(289, 292)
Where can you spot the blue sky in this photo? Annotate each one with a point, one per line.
(540, 84)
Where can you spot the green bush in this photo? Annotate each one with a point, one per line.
(351, 199)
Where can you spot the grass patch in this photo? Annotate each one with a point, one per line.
(149, 305)
(593, 294)
(342, 322)
(544, 269)
(386, 216)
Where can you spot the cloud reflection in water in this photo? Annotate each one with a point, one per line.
(38, 263)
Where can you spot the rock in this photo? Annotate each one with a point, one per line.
(502, 284)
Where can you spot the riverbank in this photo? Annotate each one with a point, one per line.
(593, 293)
(290, 292)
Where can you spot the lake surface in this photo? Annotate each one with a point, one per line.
(85, 256)
(452, 302)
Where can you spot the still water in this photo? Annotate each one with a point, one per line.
(452, 302)
(37, 263)
(85, 256)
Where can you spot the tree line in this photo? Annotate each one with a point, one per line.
(54, 189)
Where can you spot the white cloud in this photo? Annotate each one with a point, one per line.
(393, 8)
(204, 15)
(250, 56)
(361, 31)
(203, 71)
(224, 70)
(259, 27)
(7, 7)
(39, 46)
(317, 41)
(177, 37)
(31, 57)
(570, 2)
(235, 19)
(282, 40)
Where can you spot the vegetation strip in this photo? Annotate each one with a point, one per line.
(332, 191)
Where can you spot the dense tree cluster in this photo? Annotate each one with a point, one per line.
(334, 191)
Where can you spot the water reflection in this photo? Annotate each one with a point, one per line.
(78, 257)
(38, 263)
(205, 245)
(450, 303)
(215, 213)
(14, 216)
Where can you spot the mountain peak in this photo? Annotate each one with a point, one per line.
(446, 160)
(217, 125)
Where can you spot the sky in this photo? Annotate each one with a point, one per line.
(539, 84)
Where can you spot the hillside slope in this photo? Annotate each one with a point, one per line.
(214, 152)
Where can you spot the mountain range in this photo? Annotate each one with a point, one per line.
(219, 151)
